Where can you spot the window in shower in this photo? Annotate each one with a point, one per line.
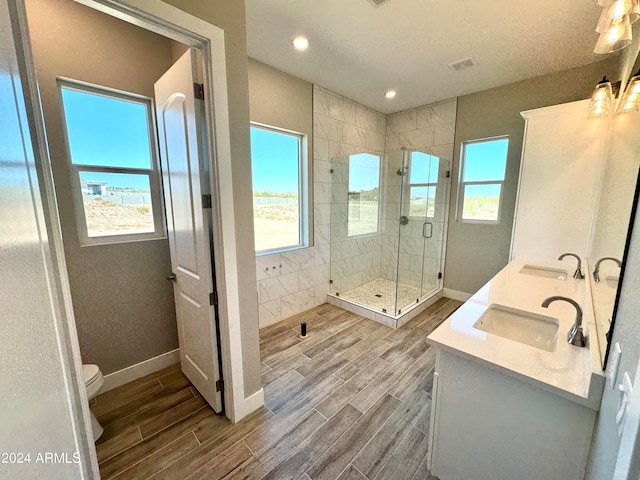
(279, 186)
(363, 195)
(482, 171)
(423, 183)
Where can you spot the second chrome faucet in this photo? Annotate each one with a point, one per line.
(578, 273)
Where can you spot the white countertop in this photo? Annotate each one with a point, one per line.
(569, 371)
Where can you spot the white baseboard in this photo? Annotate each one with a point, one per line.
(457, 295)
(139, 370)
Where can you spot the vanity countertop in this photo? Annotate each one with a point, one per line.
(571, 372)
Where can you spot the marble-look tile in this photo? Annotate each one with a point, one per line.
(339, 193)
(267, 266)
(295, 260)
(321, 101)
(321, 149)
(321, 214)
(381, 121)
(321, 234)
(297, 302)
(392, 142)
(313, 277)
(437, 114)
(322, 254)
(367, 119)
(321, 292)
(444, 151)
(274, 288)
(402, 122)
(269, 313)
(321, 171)
(321, 192)
(444, 134)
(342, 110)
(355, 136)
(326, 127)
(417, 139)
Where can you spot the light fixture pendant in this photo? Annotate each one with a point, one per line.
(601, 99)
(631, 100)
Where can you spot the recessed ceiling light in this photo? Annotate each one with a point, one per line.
(300, 43)
(390, 94)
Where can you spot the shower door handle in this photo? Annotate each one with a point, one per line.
(424, 230)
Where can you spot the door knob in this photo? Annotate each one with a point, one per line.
(172, 277)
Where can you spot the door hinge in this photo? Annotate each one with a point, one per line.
(448, 174)
(219, 385)
(213, 298)
(198, 91)
(206, 201)
(439, 274)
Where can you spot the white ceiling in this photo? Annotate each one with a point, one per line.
(360, 51)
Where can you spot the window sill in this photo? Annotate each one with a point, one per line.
(264, 253)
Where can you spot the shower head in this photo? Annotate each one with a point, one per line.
(401, 171)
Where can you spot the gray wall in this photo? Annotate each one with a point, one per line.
(476, 252)
(230, 16)
(123, 305)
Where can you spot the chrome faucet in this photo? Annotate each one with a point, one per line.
(575, 336)
(578, 273)
(596, 271)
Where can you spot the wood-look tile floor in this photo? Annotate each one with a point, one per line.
(351, 401)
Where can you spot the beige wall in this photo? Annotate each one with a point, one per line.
(123, 305)
(230, 16)
(475, 253)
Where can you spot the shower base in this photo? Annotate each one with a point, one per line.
(376, 300)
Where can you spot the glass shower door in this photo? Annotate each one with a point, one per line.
(420, 236)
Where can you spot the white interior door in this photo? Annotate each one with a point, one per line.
(188, 224)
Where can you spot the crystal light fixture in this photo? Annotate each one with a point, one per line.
(601, 100)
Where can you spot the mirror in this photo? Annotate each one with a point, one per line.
(611, 219)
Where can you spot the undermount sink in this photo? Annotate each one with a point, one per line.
(520, 326)
(545, 272)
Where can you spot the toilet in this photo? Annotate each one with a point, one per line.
(93, 380)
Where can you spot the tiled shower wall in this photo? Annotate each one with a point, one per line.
(429, 129)
(294, 281)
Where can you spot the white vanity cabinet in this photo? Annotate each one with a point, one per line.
(505, 406)
(488, 425)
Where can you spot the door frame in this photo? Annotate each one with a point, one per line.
(171, 22)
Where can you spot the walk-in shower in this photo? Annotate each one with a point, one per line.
(388, 225)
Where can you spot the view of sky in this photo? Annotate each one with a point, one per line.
(485, 160)
(107, 131)
(423, 168)
(364, 172)
(274, 158)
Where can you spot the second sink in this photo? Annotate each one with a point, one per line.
(520, 326)
(545, 272)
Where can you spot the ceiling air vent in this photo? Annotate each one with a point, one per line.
(462, 64)
(378, 3)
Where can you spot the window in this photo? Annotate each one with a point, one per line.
(364, 194)
(482, 172)
(279, 189)
(113, 165)
(423, 182)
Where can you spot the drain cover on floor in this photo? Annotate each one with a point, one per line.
(378, 295)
